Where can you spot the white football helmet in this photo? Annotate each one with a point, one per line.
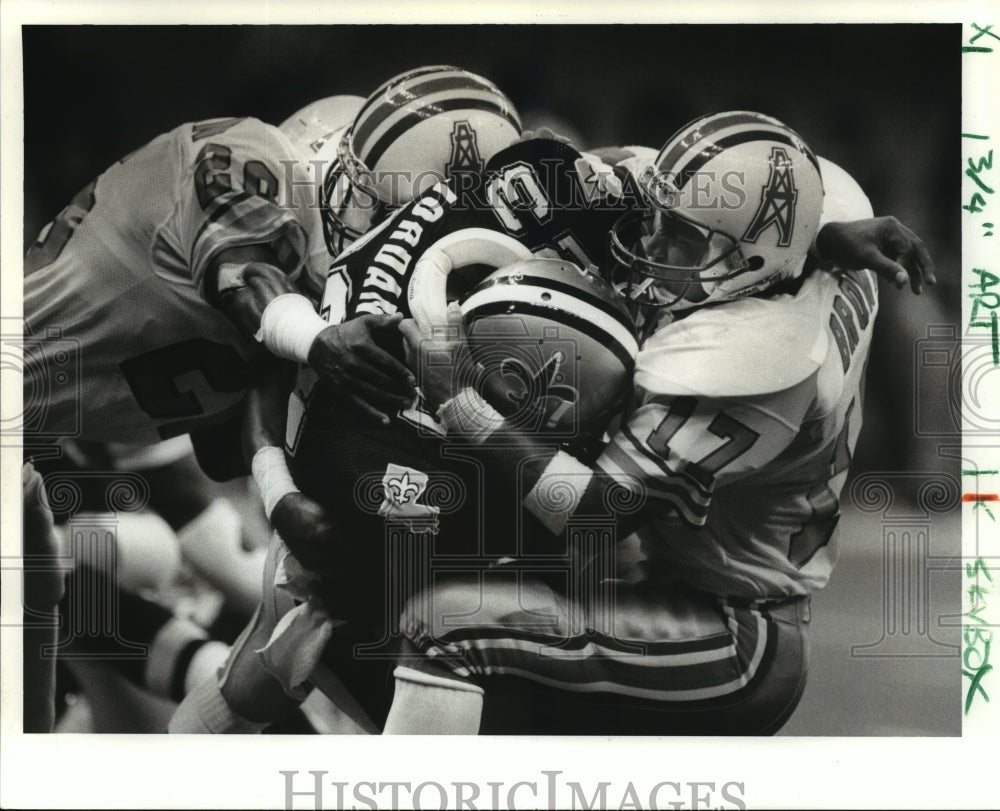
(316, 129)
(733, 202)
(315, 132)
(423, 126)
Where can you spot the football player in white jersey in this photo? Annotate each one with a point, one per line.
(164, 275)
(723, 479)
(146, 301)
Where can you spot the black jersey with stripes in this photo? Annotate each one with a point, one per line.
(541, 192)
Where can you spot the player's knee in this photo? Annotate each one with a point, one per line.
(443, 607)
(488, 600)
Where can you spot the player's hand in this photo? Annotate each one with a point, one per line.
(881, 244)
(308, 530)
(351, 358)
(441, 355)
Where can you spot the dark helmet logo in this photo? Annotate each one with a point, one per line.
(465, 157)
(541, 390)
(777, 202)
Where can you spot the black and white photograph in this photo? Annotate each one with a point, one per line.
(608, 389)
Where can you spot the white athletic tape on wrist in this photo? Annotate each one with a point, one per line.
(270, 471)
(469, 416)
(289, 326)
(558, 491)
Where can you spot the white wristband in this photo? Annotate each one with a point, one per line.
(273, 479)
(558, 491)
(468, 415)
(289, 325)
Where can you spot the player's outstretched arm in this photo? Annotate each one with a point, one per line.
(251, 288)
(266, 406)
(851, 237)
(881, 244)
(304, 525)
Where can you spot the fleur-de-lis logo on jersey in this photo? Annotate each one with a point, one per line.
(777, 202)
(465, 157)
(534, 388)
(401, 489)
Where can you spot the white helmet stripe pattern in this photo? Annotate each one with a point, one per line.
(406, 101)
(468, 101)
(689, 169)
(692, 134)
(424, 126)
(377, 96)
(744, 225)
(422, 98)
(701, 143)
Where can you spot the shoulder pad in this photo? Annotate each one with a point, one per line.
(737, 349)
(843, 199)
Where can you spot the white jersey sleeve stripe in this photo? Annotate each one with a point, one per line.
(619, 463)
(699, 492)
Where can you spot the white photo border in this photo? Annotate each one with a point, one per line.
(79, 771)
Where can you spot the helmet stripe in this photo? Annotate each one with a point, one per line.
(607, 307)
(709, 146)
(412, 98)
(430, 110)
(626, 358)
(562, 309)
(378, 94)
(719, 144)
(681, 143)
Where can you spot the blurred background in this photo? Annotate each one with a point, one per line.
(883, 101)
